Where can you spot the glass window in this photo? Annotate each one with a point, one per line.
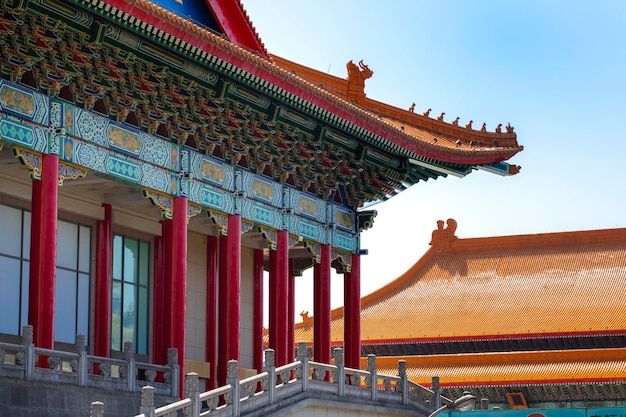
(10, 295)
(72, 275)
(11, 231)
(67, 245)
(65, 307)
(130, 294)
(71, 314)
(14, 248)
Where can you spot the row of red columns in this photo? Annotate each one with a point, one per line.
(225, 275)
(171, 283)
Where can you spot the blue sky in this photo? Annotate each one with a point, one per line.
(554, 69)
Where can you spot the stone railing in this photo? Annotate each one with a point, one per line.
(276, 384)
(27, 362)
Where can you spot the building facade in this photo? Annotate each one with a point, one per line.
(154, 166)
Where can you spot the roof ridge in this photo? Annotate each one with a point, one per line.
(540, 240)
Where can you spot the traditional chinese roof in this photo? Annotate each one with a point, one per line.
(545, 376)
(543, 314)
(419, 127)
(542, 286)
(219, 93)
(514, 368)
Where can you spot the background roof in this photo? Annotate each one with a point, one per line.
(523, 286)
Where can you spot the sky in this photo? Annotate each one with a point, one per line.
(556, 70)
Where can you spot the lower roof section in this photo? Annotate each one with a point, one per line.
(513, 368)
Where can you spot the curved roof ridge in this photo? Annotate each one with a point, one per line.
(403, 119)
(519, 286)
(513, 368)
(269, 71)
(379, 293)
(540, 240)
(487, 358)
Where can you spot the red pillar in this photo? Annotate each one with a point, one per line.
(43, 252)
(211, 309)
(222, 326)
(321, 308)
(257, 326)
(273, 282)
(281, 291)
(159, 350)
(102, 319)
(233, 289)
(291, 312)
(176, 285)
(352, 314)
(230, 291)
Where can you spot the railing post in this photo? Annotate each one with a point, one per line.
(147, 401)
(29, 357)
(191, 386)
(172, 362)
(437, 391)
(372, 380)
(232, 378)
(271, 374)
(130, 366)
(341, 372)
(97, 409)
(81, 349)
(303, 357)
(403, 381)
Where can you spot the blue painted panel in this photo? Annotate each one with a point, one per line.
(309, 230)
(25, 103)
(212, 198)
(263, 215)
(122, 168)
(343, 218)
(309, 206)
(262, 189)
(344, 241)
(15, 132)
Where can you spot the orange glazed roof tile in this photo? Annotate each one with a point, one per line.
(512, 368)
(465, 142)
(563, 284)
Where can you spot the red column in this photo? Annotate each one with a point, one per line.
(159, 350)
(281, 291)
(230, 291)
(102, 319)
(43, 252)
(257, 326)
(273, 282)
(211, 309)
(176, 285)
(233, 289)
(321, 308)
(352, 314)
(291, 312)
(222, 326)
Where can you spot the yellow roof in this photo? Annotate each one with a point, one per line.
(512, 368)
(514, 286)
